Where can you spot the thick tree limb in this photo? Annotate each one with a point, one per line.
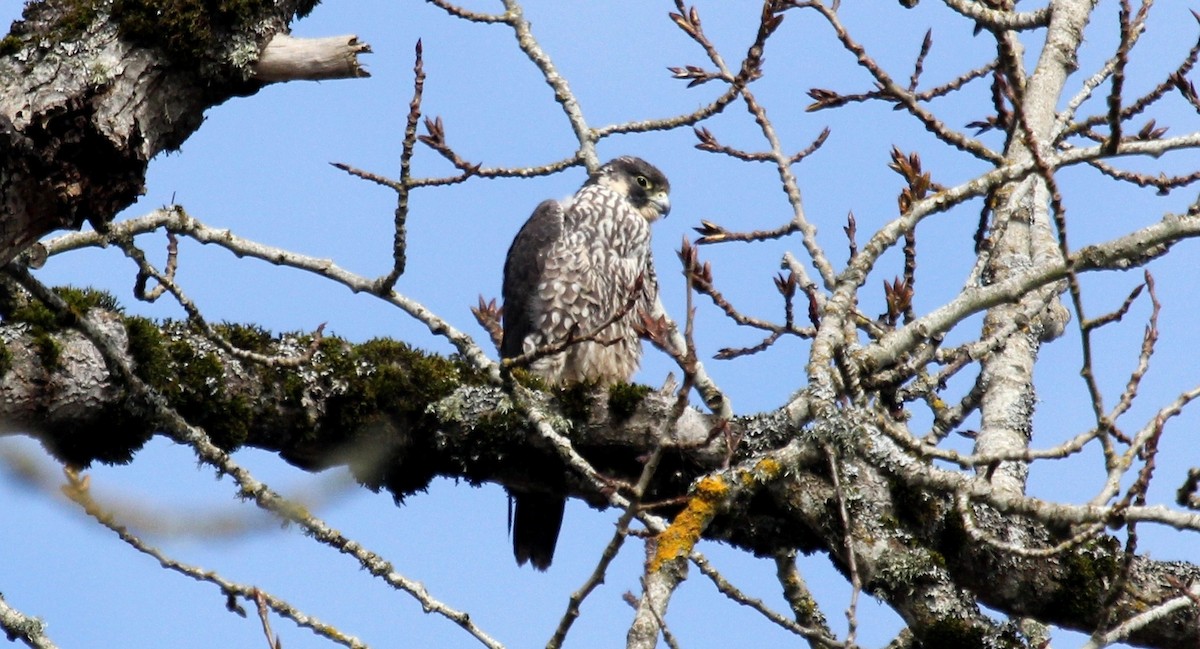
(430, 417)
(91, 95)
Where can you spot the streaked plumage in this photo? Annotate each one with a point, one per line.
(575, 266)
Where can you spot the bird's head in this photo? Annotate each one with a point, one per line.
(640, 182)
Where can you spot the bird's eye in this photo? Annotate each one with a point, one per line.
(644, 182)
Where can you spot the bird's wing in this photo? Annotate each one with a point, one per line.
(523, 271)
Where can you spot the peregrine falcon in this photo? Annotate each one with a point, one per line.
(575, 278)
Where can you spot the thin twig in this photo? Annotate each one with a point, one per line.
(180, 430)
(896, 92)
(962, 504)
(473, 16)
(609, 553)
(18, 626)
(400, 227)
(848, 540)
(1121, 59)
(1149, 338)
(78, 490)
(804, 607)
(1063, 125)
(175, 219)
(195, 315)
(767, 24)
(818, 636)
(515, 18)
(139, 286)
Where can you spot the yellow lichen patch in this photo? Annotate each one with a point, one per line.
(768, 468)
(765, 470)
(678, 540)
(747, 479)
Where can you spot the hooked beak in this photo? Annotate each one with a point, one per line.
(661, 202)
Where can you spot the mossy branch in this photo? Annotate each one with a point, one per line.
(398, 417)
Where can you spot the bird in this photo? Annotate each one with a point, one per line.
(575, 278)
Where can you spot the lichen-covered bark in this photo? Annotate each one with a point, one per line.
(399, 418)
(91, 90)
(1023, 238)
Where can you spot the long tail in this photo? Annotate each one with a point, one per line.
(536, 521)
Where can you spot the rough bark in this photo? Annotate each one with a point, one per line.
(1026, 240)
(90, 98)
(94, 89)
(428, 416)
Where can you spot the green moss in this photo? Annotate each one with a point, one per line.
(44, 322)
(82, 300)
(951, 633)
(112, 436)
(522, 376)
(376, 393)
(33, 313)
(76, 17)
(919, 508)
(238, 414)
(197, 383)
(624, 399)
(59, 21)
(9, 45)
(151, 362)
(387, 388)
(38, 315)
(48, 349)
(292, 386)
(956, 633)
(197, 390)
(187, 31)
(251, 338)
(5, 359)
(1087, 572)
(194, 369)
(385, 377)
(575, 400)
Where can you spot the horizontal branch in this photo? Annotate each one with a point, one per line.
(423, 416)
(1126, 252)
(175, 219)
(996, 19)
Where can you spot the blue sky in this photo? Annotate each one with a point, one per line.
(259, 166)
